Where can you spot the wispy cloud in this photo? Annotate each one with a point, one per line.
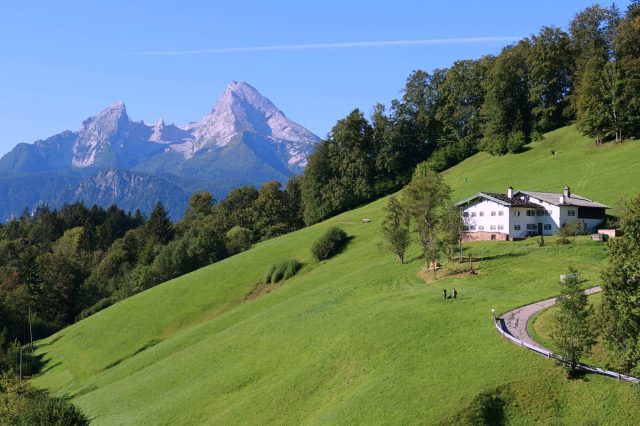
(342, 45)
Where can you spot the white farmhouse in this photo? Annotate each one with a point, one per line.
(519, 214)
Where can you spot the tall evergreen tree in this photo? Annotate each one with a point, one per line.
(159, 227)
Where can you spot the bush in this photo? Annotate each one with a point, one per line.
(329, 244)
(282, 270)
(22, 404)
(48, 410)
(568, 232)
(238, 239)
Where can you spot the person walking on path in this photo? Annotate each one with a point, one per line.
(455, 293)
(444, 293)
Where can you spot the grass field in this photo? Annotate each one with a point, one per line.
(358, 338)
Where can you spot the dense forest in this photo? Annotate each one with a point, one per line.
(59, 266)
(589, 75)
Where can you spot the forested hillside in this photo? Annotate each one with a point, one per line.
(589, 75)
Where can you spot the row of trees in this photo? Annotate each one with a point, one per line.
(496, 103)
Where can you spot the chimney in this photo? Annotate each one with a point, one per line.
(510, 192)
(567, 192)
(562, 199)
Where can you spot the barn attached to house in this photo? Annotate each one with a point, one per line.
(520, 214)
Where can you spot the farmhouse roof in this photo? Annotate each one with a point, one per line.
(522, 199)
(502, 199)
(555, 198)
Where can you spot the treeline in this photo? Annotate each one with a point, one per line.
(589, 75)
(60, 266)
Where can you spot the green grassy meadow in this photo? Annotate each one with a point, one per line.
(359, 338)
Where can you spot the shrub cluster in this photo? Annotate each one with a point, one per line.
(329, 244)
(283, 270)
(22, 404)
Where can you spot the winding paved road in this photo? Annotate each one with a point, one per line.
(516, 322)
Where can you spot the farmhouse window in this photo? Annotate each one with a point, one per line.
(540, 213)
(481, 227)
(492, 227)
(531, 212)
(516, 213)
(547, 227)
(571, 212)
(481, 214)
(500, 227)
(493, 213)
(465, 214)
(516, 227)
(532, 226)
(473, 214)
(500, 213)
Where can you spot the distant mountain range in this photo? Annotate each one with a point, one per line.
(244, 140)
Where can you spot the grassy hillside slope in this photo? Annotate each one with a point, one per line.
(358, 338)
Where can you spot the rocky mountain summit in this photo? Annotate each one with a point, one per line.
(244, 139)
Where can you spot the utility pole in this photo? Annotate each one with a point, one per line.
(30, 330)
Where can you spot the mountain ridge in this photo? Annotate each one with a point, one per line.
(244, 139)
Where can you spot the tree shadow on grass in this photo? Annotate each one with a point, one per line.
(487, 408)
(501, 256)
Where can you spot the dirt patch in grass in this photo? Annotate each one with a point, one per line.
(456, 270)
(261, 289)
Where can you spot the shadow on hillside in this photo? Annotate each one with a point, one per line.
(345, 245)
(42, 344)
(501, 256)
(83, 391)
(33, 365)
(487, 408)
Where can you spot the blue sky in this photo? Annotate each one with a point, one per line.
(61, 62)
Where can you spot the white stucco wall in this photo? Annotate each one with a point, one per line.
(487, 216)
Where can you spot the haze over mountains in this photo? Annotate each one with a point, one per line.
(245, 139)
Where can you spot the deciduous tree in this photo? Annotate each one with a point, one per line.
(572, 331)
(395, 228)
